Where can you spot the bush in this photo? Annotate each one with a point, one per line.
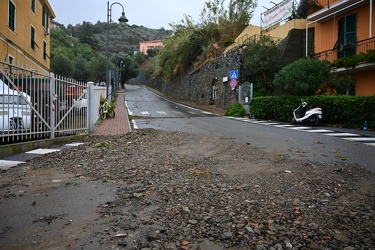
(343, 110)
(236, 110)
(304, 76)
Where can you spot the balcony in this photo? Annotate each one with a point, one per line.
(348, 50)
(323, 9)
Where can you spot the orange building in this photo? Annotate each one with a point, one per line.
(345, 28)
(153, 44)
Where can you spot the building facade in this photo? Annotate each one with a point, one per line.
(153, 44)
(25, 34)
(345, 29)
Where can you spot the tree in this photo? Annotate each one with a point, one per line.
(97, 68)
(129, 69)
(84, 48)
(305, 77)
(140, 57)
(304, 6)
(344, 85)
(180, 51)
(81, 71)
(87, 35)
(152, 52)
(193, 44)
(62, 65)
(231, 20)
(261, 61)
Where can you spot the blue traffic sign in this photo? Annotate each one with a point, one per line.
(233, 74)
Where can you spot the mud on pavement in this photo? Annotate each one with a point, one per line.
(153, 189)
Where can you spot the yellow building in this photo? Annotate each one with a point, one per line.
(25, 34)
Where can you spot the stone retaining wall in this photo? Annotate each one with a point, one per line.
(197, 85)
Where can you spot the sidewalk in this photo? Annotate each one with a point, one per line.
(120, 123)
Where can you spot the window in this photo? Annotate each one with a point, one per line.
(44, 50)
(12, 16)
(11, 61)
(32, 38)
(33, 6)
(45, 18)
(347, 36)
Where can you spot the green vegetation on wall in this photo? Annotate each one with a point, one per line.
(192, 44)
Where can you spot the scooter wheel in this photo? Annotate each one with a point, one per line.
(315, 120)
(293, 120)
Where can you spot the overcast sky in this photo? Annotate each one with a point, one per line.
(148, 13)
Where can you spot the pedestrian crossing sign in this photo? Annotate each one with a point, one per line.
(233, 74)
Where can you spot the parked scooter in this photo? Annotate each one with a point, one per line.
(303, 115)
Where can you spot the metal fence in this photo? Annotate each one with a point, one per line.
(36, 105)
(363, 46)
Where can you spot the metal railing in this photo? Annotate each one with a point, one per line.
(362, 46)
(36, 106)
(326, 3)
(245, 39)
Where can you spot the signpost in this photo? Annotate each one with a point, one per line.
(233, 83)
(233, 76)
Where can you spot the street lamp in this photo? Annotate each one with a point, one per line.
(121, 65)
(122, 19)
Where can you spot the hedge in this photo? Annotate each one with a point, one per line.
(340, 110)
(236, 110)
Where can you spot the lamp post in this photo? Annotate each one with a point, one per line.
(122, 19)
(121, 64)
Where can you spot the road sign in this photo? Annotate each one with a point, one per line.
(233, 83)
(233, 74)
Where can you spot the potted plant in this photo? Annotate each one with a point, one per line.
(313, 6)
(102, 100)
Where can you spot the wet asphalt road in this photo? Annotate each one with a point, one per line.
(43, 211)
(317, 144)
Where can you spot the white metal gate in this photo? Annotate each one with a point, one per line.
(37, 106)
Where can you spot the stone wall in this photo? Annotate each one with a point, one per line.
(197, 85)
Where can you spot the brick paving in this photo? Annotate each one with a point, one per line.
(120, 123)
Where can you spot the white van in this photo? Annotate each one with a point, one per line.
(15, 111)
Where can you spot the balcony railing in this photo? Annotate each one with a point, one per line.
(362, 46)
(326, 3)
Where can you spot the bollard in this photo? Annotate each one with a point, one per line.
(365, 127)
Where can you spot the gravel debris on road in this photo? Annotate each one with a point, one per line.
(187, 191)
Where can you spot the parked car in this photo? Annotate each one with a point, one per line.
(81, 103)
(102, 84)
(15, 111)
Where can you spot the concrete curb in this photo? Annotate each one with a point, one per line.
(15, 148)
